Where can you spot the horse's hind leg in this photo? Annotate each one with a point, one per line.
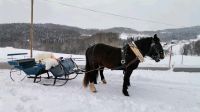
(102, 76)
(92, 80)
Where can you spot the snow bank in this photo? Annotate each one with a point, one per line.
(125, 36)
(10, 50)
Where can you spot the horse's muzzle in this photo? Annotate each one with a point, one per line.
(162, 56)
(157, 59)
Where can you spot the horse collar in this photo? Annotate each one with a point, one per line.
(136, 51)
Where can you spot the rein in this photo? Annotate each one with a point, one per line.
(138, 54)
(119, 67)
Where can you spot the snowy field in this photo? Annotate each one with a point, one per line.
(176, 60)
(150, 91)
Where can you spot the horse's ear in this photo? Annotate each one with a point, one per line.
(155, 38)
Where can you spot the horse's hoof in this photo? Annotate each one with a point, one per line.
(94, 91)
(126, 93)
(92, 88)
(104, 81)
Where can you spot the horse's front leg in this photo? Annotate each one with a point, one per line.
(126, 82)
(102, 76)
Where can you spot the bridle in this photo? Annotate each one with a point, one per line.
(153, 48)
(139, 56)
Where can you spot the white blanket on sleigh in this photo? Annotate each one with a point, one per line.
(48, 59)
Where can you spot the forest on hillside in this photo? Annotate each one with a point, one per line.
(193, 48)
(67, 39)
(54, 38)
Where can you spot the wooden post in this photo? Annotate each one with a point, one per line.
(182, 52)
(170, 57)
(31, 31)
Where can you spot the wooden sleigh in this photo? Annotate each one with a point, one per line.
(63, 71)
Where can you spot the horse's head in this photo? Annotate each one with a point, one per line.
(156, 50)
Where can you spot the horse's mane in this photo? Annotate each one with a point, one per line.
(144, 39)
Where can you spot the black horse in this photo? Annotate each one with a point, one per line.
(99, 56)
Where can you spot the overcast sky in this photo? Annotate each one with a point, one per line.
(179, 13)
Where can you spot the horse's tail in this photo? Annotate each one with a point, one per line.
(87, 68)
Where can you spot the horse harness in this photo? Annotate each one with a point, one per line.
(138, 54)
(153, 46)
(135, 50)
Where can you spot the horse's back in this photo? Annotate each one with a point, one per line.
(102, 49)
(104, 55)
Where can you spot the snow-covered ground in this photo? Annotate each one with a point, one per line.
(151, 91)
